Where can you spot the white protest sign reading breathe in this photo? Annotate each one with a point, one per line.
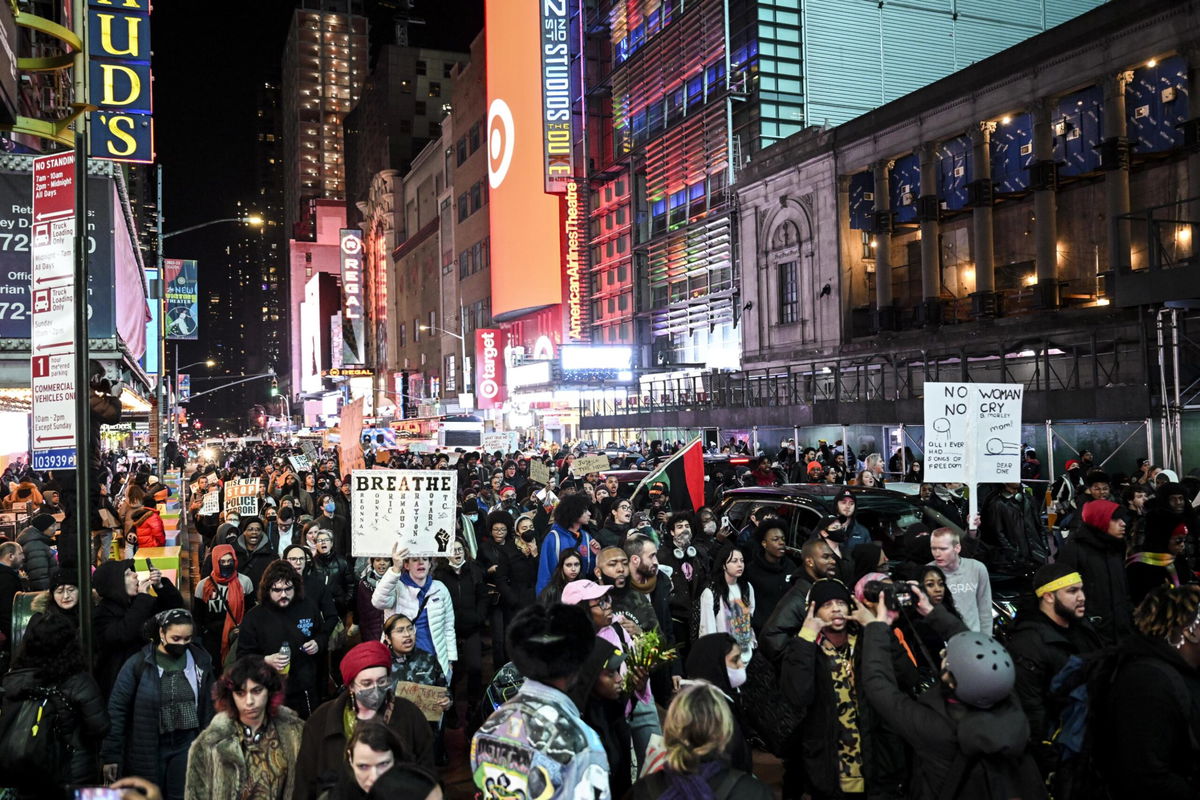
(973, 432)
(407, 507)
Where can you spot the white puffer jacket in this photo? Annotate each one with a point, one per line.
(393, 596)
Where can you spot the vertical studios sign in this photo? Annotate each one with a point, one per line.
(556, 95)
(353, 324)
(121, 87)
(489, 369)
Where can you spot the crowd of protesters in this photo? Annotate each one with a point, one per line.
(872, 664)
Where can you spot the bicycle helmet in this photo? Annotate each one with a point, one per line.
(982, 669)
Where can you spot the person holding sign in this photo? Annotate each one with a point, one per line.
(409, 589)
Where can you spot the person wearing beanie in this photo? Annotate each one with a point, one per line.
(1169, 508)
(1065, 490)
(972, 714)
(366, 696)
(221, 600)
(1159, 560)
(37, 541)
(1097, 553)
(1044, 636)
(540, 727)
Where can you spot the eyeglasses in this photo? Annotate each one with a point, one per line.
(601, 602)
(283, 589)
(324, 540)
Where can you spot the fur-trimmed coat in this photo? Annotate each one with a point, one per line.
(216, 768)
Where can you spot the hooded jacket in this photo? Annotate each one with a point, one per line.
(992, 740)
(770, 582)
(39, 558)
(1012, 526)
(86, 719)
(706, 661)
(606, 717)
(559, 539)
(1100, 560)
(254, 563)
(267, 626)
(148, 527)
(118, 619)
(468, 593)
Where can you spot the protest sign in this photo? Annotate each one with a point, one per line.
(411, 508)
(973, 432)
(241, 497)
(593, 463)
(427, 698)
(350, 441)
(539, 472)
(300, 463)
(310, 451)
(504, 441)
(211, 504)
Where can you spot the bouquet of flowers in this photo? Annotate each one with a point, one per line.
(645, 654)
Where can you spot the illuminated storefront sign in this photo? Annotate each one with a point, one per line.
(122, 128)
(556, 95)
(489, 369)
(525, 221)
(574, 240)
(353, 322)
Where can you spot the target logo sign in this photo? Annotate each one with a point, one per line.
(501, 141)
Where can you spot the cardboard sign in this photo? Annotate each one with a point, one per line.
(211, 504)
(427, 698)
(539, 472)
(412, 508)
(300, 463)
(350, 442)
(973, 432)
(585, 464)
(241, 497)
(504, 441)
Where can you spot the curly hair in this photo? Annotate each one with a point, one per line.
(698, 725)
(570, 508)
(279, 570)
(500, 518)
(51, 648)
(1168, 612)
(248, 668)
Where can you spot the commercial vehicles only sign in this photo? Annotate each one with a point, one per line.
(52, 295)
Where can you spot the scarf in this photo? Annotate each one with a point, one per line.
(643, 588)
(1165, 560)
(235, 599)
(691, 785)
(371, 578)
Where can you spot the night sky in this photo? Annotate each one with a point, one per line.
(207, 62)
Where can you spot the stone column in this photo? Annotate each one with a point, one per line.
(982, 245)
(884, 311)
(1045, 203)
(931, 263)
(1115, 150)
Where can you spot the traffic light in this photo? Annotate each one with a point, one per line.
(274, 387)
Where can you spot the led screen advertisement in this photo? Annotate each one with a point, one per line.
(526, 226)
(183, 298)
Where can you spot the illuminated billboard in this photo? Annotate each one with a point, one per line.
(556, 95)
(489, 368)
(122, 128)
(354, 351)
(526, 222)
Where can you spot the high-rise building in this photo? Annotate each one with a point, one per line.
(680, 93)
(324, 66)
(267, 244)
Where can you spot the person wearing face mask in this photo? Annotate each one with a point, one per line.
(717, 658)
(161, 701)
(366, 698)
(253, 550)
(832, 531)
(497, 552)
(221, 600)
(464, 579)
(468, 522)
(330, 520)
(125, 606)
(856, 533)
(689, 574)
(370, 618)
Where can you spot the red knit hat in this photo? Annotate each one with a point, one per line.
(364, 656)
(1098, 513)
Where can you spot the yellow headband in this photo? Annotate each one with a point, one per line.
(1061, 583)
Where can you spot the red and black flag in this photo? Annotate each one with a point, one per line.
(683, 476)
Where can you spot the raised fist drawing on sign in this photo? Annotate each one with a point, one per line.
(443, 539)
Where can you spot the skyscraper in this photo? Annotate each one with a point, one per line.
(324, 66)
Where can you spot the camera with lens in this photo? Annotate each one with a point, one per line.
(895, 595)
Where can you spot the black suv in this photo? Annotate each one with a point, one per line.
(887, 515)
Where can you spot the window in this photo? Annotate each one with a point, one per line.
(403, 330)
(476, 197)
(435, 89)
(432, 321)
(416, 330)
(461, 150)
(474, 135)
(789, 294)
(447, 69)
(421, 67)
(464, 210)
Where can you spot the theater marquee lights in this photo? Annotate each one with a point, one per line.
(353, 321)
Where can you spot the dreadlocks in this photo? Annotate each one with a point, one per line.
(1168, 611)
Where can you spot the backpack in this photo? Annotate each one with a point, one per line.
(33, 737)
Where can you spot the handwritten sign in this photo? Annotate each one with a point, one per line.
(427, 698)
(585, 464)
(310, 451)
(211, 504)
(539, 472)
(504, 441)
(973, 432)
(241, 497)
(406, 507)
(300, 463)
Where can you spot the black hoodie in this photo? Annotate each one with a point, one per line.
(605, 717)
(118, 619)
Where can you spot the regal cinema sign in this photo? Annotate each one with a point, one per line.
(489, 369)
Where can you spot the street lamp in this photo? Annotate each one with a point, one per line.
(462, 340)
(208, 362)
(253, 220)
